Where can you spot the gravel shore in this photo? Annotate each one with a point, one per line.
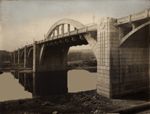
(87, 102)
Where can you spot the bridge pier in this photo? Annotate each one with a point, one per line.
(28, 81)
(14, 57)
(18, 56)
(25, 57)
(36, 53)
(50, 73)
(121, 70)
(25, 80)
(108, 58)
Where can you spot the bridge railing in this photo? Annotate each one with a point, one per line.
(135, 17)
(139, 16)
(88, 27)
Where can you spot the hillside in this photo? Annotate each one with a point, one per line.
(76, 59)
(80, 55)
(4, 56)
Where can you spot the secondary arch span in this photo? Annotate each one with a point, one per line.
(133, 33)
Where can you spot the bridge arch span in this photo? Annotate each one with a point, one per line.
(133, 33)
(72, 22)
(89, 37)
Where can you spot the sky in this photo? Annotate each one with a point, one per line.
(24, 21)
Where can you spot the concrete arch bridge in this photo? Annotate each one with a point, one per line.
(121, 47)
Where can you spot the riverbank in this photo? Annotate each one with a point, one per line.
(90, 66)
(87, 102)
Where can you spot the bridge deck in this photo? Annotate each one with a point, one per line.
(71, 33)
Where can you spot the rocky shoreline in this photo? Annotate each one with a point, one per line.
(87, 102)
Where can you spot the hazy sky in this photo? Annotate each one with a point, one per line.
(23, 21)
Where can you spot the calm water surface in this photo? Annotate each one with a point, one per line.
(78, 80)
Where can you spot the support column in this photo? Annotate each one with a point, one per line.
(62, 29)
(25, 81)
(25, 57)
(34, 56)
(108, 58)
(149, 57)
(11, 57)
(18, 56)
(68, 28)
(53, 33)
(36, 53)
(121, 32)
(134, 25)
(50, 77)
(58, 31)
(14, 57)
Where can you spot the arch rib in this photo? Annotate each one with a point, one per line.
(72, 22)
(132, 32)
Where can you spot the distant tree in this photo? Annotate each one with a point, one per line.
(80, 55)
(4, 56)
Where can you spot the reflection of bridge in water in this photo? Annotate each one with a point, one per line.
(121, 47)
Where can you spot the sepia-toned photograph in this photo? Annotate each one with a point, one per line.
(74, 57)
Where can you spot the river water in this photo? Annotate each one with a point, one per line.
(78, 80)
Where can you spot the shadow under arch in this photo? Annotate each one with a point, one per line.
(16, 57)
(30, 58)
(22, 57)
